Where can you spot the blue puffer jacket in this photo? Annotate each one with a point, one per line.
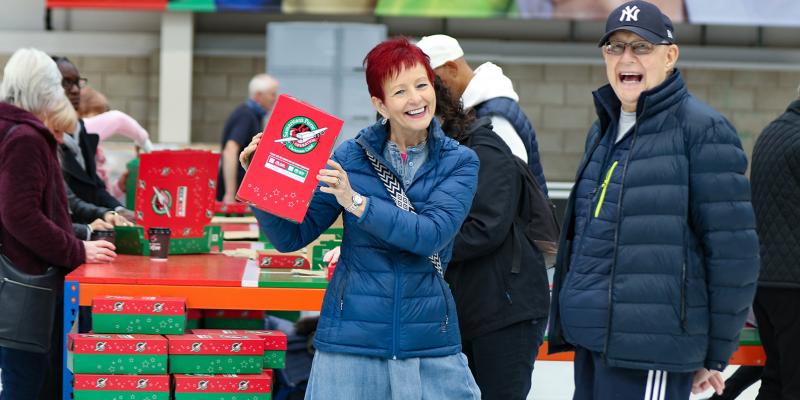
(386, 299)
(685, 260)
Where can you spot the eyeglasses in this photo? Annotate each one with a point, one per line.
(69, 83)
(640, 47)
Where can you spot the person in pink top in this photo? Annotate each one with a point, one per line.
(105, 123)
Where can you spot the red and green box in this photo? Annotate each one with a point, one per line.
(274, 259)
(118, 354)
(223, 387)
(274, 343)
(194, 317)
(233, 319)
(215, 354)
(141, 315)
(128, 387)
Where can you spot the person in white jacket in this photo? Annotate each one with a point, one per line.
(488, 92)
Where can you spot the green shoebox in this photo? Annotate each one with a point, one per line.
(275, 343)
(141, 315)
(215, 354)
(118, 354)
(131, 240)
(127, 387)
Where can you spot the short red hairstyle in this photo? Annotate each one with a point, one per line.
(387, 59)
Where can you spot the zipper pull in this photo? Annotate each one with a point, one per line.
(341, 305)
(445, 322)
(508, 296)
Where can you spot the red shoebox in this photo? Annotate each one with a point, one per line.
(273, 340)
(222, 386)
(274, 259)
(297, 143)
(220, 354)
(134, 387)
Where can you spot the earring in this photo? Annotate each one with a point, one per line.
(384, 120)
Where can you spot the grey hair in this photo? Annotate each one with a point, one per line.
(261, 83)
(32, 81)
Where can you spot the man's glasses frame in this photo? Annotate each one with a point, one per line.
(639, 47)
(69, 83)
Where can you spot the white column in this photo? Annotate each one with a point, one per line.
(175, 80)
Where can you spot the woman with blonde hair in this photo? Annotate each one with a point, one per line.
(33, 207)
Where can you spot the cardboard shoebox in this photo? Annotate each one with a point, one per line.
(274, 343)
(117, 354)
(223, 387)
(142, 315)
(194, 317)
(296, 144)
(215, 354)
(275, 259)
(127, 387)
(233, 319)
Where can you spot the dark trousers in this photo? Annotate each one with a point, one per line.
(502, 361)
(594, 380)
(744, 377)
(778, 319)
(27, 375)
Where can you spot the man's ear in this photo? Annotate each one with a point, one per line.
(380, 107)
(449, 69)
(672, 56)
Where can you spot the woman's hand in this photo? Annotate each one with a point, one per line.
(338, 184)
(100, 225)
(247, 154)
(99, 252)
(115, 219)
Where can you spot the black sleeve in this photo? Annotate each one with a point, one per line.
(493, 208)
(242, 128)
(105, 198)
(81, 231)
(82, 211)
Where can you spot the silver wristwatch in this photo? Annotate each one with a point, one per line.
(357, 202)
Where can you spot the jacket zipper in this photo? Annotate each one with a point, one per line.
(683, 296)
(27, 285)
(446, 320)
(396, 316)
(603, 189)
(616, 236)
(341, 292)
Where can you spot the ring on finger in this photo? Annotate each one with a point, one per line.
(338, 181)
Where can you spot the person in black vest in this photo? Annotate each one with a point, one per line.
(502, 307)
(658, 257)
(491, 94)
(776, 198)
(79, 149)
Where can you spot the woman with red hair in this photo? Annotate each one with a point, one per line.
(388, 327)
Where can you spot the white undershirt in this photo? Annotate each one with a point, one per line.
(626, 121)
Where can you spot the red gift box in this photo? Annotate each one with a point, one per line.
(194, 344)
(241, 384)
(122, 383)
(296, 144)
(138, 305)
(273, 259)
(273, 340)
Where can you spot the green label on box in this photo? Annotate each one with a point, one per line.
(120, 364)
(275, 359)
(223, 396)
(214, 364)
(234, 323)
(139, 323)
(119, 394)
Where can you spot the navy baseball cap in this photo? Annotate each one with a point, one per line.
(643, 19)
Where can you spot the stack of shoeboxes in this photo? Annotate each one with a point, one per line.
(126, 357)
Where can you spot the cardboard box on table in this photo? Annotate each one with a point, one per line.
(94, 353)
(275, 343)
(142, 315)
(233, 319)
(215, 354)
(275, 259)
(127, 387)
(296, 144)
(223, 387)
(175, 189)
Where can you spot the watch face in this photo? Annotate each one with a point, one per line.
(357, 199)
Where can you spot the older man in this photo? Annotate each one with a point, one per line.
(659, 255)
(244, 123)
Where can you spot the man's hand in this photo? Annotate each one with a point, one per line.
(705, 379)
(100, 225)
(99, 252)
(115, 219)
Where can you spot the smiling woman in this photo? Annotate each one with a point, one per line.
(388, 326)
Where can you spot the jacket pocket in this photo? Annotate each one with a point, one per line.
(340, 294)
(446, 319)
(604, 188)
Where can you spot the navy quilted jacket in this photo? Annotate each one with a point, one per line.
(685, 259)
(386, 300)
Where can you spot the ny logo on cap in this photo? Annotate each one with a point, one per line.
(630, 13)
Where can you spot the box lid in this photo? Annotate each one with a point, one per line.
(128, 383)
(237, 345)
(273, 340)
(92, 343)
(227, 383)
(138, 305)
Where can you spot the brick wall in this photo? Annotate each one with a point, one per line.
(557, 98)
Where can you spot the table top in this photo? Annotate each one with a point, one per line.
(189, 270)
